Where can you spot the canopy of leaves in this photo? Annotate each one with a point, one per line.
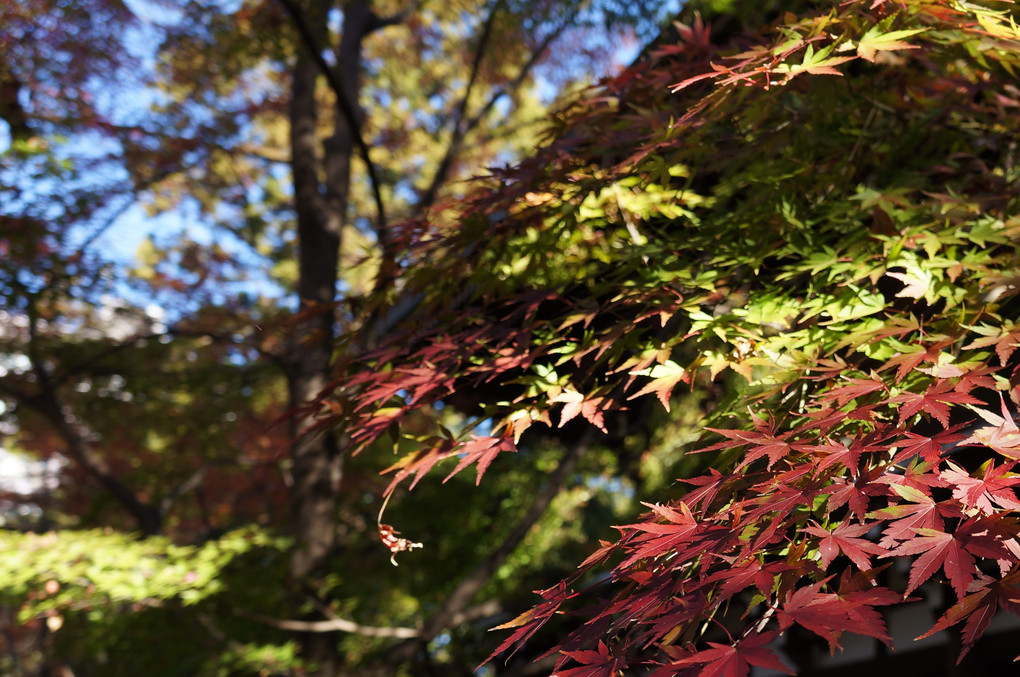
(827, 209)
(154, 392)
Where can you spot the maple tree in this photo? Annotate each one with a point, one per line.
(796, 230)
(825, 210)
(161, 395)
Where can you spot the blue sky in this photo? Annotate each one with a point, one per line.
(121, 240)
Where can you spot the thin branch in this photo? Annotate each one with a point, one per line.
(48, 405)
(210, 627)
(474, 581)
(138, 187)
(107, 222)
(333, 624)
(526, 69)
(490, 609)
(75, 435)
(194, 481)
(148, 518)
(345, 105)
(460, 131)
(65, 374)
(457, 131)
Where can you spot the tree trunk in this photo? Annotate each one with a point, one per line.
(316, 459)
(316, 463)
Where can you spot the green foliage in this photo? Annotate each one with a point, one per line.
(120, 605)
(828, 212)
(786, 241)
(98, 568)
(156, 391)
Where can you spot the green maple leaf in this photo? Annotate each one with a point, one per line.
(876, 41)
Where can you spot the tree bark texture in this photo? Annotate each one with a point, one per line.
(322, 178)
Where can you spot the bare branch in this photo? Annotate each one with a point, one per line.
(334, 624)
(214, 631)
(76, 436)
(523, 75)
(489, 609)
(460, 131)
(190, 484)
(77, 447)
(457, 132)
(63, 375)
(474, 581)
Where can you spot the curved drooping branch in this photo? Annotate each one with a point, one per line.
(453, 609)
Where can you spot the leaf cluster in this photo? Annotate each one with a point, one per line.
(828, 212)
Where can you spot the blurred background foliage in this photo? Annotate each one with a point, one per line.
(147, 260)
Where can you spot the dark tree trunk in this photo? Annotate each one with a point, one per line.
(316, 463)
(316, 459)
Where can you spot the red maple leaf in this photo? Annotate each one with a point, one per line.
(935, 401)
(599, 663)
(837, 452)
(735, 660)
(847, 455)
(672, 616)
(1001, 435)
(857, 494)
(978, 608)
(665, 379)
(981, 492)
(658, 538)
(749, 572)
(857, 387)
(1005, 342)
(978, 377)
(861, 608)
(938, 549)
(372, 428)
(990, 536)
(760, 442)
(575, 403)
(821, 421)
(782, 499)
(828, 615)
(417, 463)
(919, 475)
(697, 34)
(846, 538)
(483, 451)
(920, 513)
(915, 355)
(529, 622)
(928, 447)
(709, 487)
